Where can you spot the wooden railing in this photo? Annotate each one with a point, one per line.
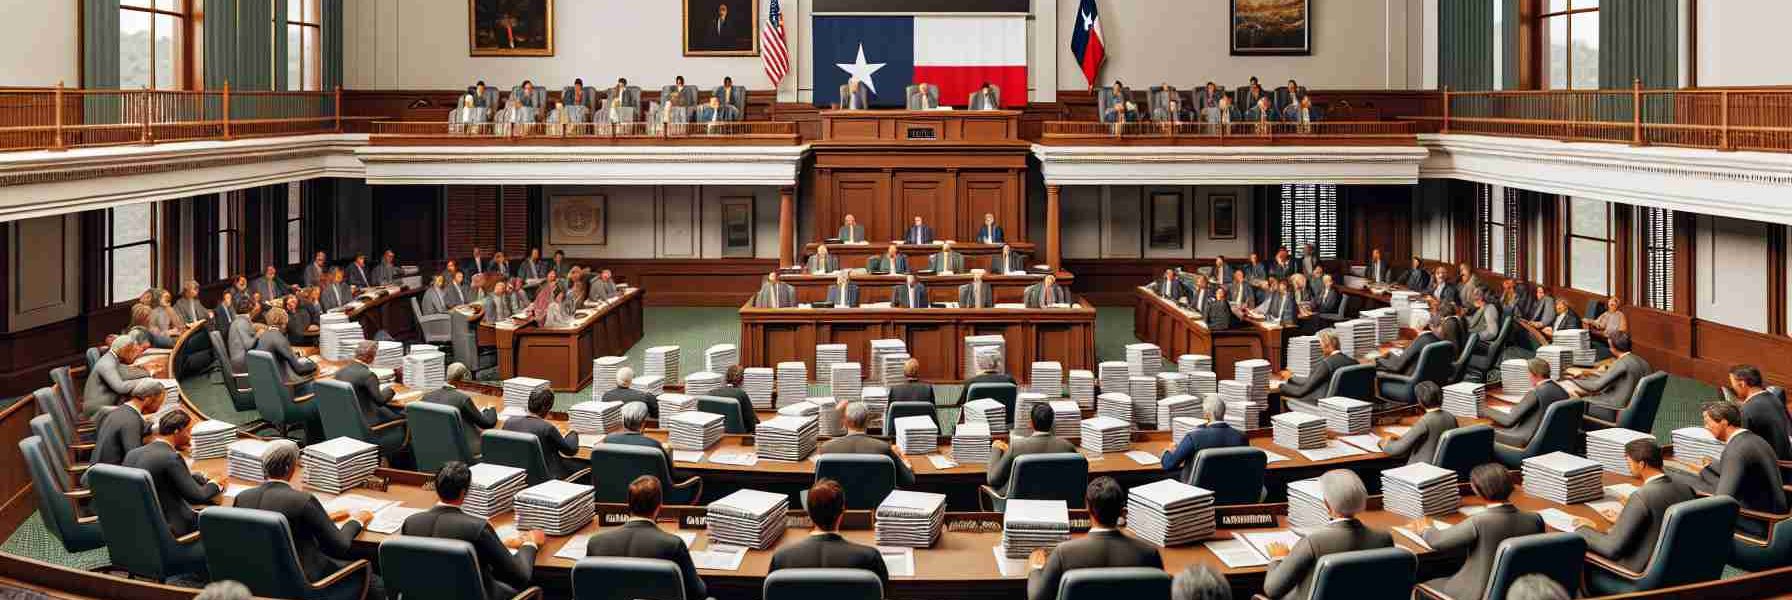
(60, 118)
(409, 133)
(1070, 133)
(1718, 119)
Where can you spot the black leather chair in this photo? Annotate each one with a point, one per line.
(1378, 573)
(866, 478)
(59, 455)
(1459, 368)
(137, 537)
(1354, 381)
(1051, 476)
(62, 379)
(437, 436)
(235, 384)
(897, 410)
(1000, 392)
(1433, 366)
(613, 466)
(1485, 360)
(1756, 554)
(623, 578)
(279, 405)
(1639, 414)
(67, 429)
(1559, 431)
(823, 584)
(255, 548)
(435, 568)
(523, 451)
(1108, 583)
(1693, 546)
(340, 414)
(55, 503)
(1464, 448)
(1234, 475)
(464, 344)
(729, 408)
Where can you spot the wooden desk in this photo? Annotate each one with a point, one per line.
(1177, 332)
(563, 355)
(920, 125)
(940, 288)
(390, 312)
(976, 256)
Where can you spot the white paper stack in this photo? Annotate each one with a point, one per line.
(1173, 407)
(1082, 388)
(975, 345)
(1028, 525)
(1254, 373)
(1579, 340)
(1047, 377)
(1023, 410)
(749, 518)
(1298, 430)
(1692, 444)
(388, 355)
(247, 460)
(425, 369)
(603, 374)
(793, 382)
(1562, 478)
(1067, 419)
(757, 382)
(1144, 359)
(1420, 490)
(826, 355)
(717, 358)
(337, 341)
(652, 384)
(1170, 513)
(1242, 410)
(1190, 363)
(701, 383)
(908, 519)
(1606, 447)
(594, 417)
(661, 361)
(892, 369)
(807, 410)
(518, 389)
(877, 401)
(1387, 324)
(1558, 357)
(828, 412)
(1403, 301)
(1418, 316)
(785, 438)
(555, 507)
(695, 430)
(917, 435)
(1142, 388)
(493, 489)
(1515, 377)
(1113, 375)
(1201, 383)
(1180, 426)
(1171, 383)
(844, 380)
(880, 349)
(1114, 405)
(1106, 434)
(1306, 504)
(1356, 337)
(338, 464)
(1303, 354)
(212, 438)
(971, 442)
(988, 411)
(1465, 399)
(672, 405)
(1347, 416)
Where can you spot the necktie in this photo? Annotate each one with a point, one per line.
(191, 315)
(1200, 301)
(914, 301)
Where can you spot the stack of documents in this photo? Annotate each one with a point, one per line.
(1144, 359)
(603, 374)
(805, 409)
(1180, 426)
(247, 461)
(828, 354)
(1306, 504)
(425, 369)
(793, 382)
(844, 380)
(827, 410)
(1515, 377)
(695, 430)
(971, 442)
(1170, 513)
(595, 417)
(212, 438)
(1113, 376)
(1420, 490)
(748, 518)
(785, 438)
(555, 507)
(1403, 301)
(1190, 363)
(1180, 405)
(880, 349)
(388, 355)
(1558, 357)
(1028, 525)
(1023, 411)
(1347, 416)
(917, 435)
(1047, 377)
(1692, 444)
(1082, 388)
(1298, 430)
(1254, 373)
(1142, 388)
(910, 519)
(1144, 403)
(1387, 324)
(1303, 354)
(701, 383)
(717, 358)
(1171, 383)
(339, 464)
(1118, 406)
(1106, 434)
(1562, 478)
(1418, 316)
(337, 341)
(757, 382)
(1201, 383)
(1606, 447)
(493, 489)
(1356, 337)
(893, 369)
(1579, 340)
(877, 402)
(518, 389)
(661, 361)
(672, 405)
(1465, 399)
(987, 411)
(1242, 409)
(652, 384)
(984, 344)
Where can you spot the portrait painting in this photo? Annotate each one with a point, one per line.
(1272, 27)
(577, 220)
(1222, 217)
(721, 27)
(510, 27)
(1166, 221)
(737, 226)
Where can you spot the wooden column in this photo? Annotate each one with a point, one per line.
(786, 226)
(1053, 238)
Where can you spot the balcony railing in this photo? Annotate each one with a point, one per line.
(745, 133)
(60, 118)
(1158, 133)
(1718, 119)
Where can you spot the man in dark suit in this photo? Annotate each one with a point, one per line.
(1283, 264)
(1440, 288)
(360, 276)
(918, 233)
(1045, 293)
(891, 262)
(1291, 570)
(1609, 392)
(121, 430)
(323, 548)
(273, 341)
(825, 548)
(176, 487)
(1240, 292)
(857, 416)
(634, 417)
(561, 451)
(1419, 443)
(1326, 300)
(1631, 540)
(315, 271)
(912, 390)
(1416, 278)
(1104, 546)
(503, 572)
(1762, 411)
(269, 284)
(640, 537)
(911, 294)
(1040, 441)
(1279, 305)
(775, 294)
(477, 265)
(1407, 360)
(851, 231)
(1311, 388)
(1747, 470)
(1170, 287)
(989, 370)
(1217, 314)
(1199, 293)
(821, 263)
(376, 402)
(479, 418)
(1215, 433)
(1543, 308)
(625, 377)
(990, 232)
(1520, 424)
(843, 292)
(976, 294)
(1377, 270)
(726, 32)
(1008, 262)
(946, 260)
(1481, 534)
(112, 375)
(731, 388)
(532, 267)
(1565, 318)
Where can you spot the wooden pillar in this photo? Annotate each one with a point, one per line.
(786, 226)
(1053, 238)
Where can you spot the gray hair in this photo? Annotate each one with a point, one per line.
(456, 372)
(1200, 582)
(147, 388)
(1536, 586)
(126, 340)
(625, 376)
(986, 360)
(366, 348)
(224, 590)
(857, 414)
(282, 457)
(1214, 407)
(633, 415)
(1344, 492)
(1328, 337)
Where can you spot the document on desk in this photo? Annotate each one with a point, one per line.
(1332, 450)
(1396, 430)
(739, 459)
(1273, 457)
(899, 561)
(236, 488)
(1556, 519)
(941, 462)
(590, 441)
(1010, 567)
(354, 503)
(1091, 455)
(687, 456)
(1367, 441)
(1144, 458)
(574, 548)
(1619, 491)
(1606, 506)
(719, 558)
(1236, 554)
(1260, 540)
(388, 521)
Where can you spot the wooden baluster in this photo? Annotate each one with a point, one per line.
(143, 107)
(1446, 125)
(1636, 111)
(57, 143)
(1723, 131)
(227, 133)
(338, 109)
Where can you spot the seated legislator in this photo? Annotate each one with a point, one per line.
(457, 292)
(843, 292)
(561, 451)
(468, 117)
(925, 97)
(500, 304)
(1170, 287)
(269, 285)
(375, 400)
(714, 112)
(985, 98)
(1240, 291)
(1486, 318)
(176, 487)
(502, 571)
(1377, 270)
(1417, 278)
(1209, 96)
(618, 94)
(1008, 262)
(1279, 305)
(625, 377)
(851, 232)
(1105, 545)
(1039, 441)
(515, 118)
(501, 265)
(854, 96)
(678, 94)
(1311, 388)
(1419, 443)
(435, 297)
(634, 419)
(1479, 535)
(989, 370)
(1609, 392)
(1565, 318)
(640, 537)
(190, 309)
(603, 287)
(566, 118)
(1440, 287)
(1303, 112)
(478, 264)
(891, 262)
(322, 547)
(731, 95)
(731, 388)
(360, 276)
(335, 293)
(1326, 296)
(527, 93)
(112, 376)
(1291, 570)
(1519, 425)
(579, 94)
(1543, 308)
(947, 261)
(1218, 314)
(1221, 271)
(775, 294)
(1199, 292)
(912, 389)
(1762, 411)
(1747, 470)
(822, 263)
(825, 548)
(272, 340)
(976, 294)
(559, 264)
(122, 429)
(1631, 540)
(857, 416)
(918, 232)
(1515, 301)
(1215, 433)
(1262, 111)
(479, 419)
(911, 294)
(1046, 294)
(990, 232)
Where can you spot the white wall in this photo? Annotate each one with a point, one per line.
(658, 222)
(1742, 42)
(43, 46)
(1113, 222)
(1732, 256)
(1431, 230)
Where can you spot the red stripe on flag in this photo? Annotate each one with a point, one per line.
(1092, 56)
(957, 83)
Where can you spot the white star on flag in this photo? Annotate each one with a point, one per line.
(861, 70)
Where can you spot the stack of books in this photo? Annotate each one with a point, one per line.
(1113, 375)
(1421, 490)
(793, 382)
(493, 489)
(1180, 426)
(828, 412)
(1242, 410)
(1347, 416)
(882, 348)
(672, 405)
(717, 358)
(1418, 316)
(1142, 388)
(1047, 377)
(1692, 444)
(1606, 447)
(1298, 430)
(1023, 409)
(518, 389)
(844, 380)
(661, 361)
(695, 430)
(1356, 337)
(877, 402)
(1306, 504)
(892, 369)
(1082, 388)
(828, 354)
(988, 411)
(337, 341)
(1144, 359)
(785, 438)
(1579, 340)
(212, 438)
(1254, 373)
(1201, 383)
(652, 384)
(1180, 405)
(425, 369)
(701, 383)
(603, 374)
(1106, 434)
(748, 518)
(1190, 363)
(1515, 376)
(1303, 354)
(1562, 478)
(1170, 513)
(1465, 399)
(758, 383)
(971, 442)
(595, 417)
(1029, 525)
(1387, 324)
(247, 460)
(388, 355)
(917, 435)
(975, 345)
(1403, 301)
(1066, 418)
(1171, 383)
(804, 409)
(339, 464)
(555, 507)
(908, 519)
(1558, 357)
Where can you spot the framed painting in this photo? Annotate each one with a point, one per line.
(721, 27)
(1222, 217)
(1166, 221)
(1272, 27)
(578, 220)
(737, 226)
(510, 27)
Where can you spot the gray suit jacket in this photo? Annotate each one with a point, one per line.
(1485, 321)
(1543, 312)
(1747, 471)
(1613, 388)
(435, 301)
(292, 366)
(384, 274)
(501, 570)
(859, 443)
(1419, 444)
(1107, 548)
(941, 262)
(900, 296)
(1018, 446)
(850, 301)
(1311, 387)
(1481, 536)
(1408, 358)
(1292, 576)
(1036, 296)
(313, 273)
(498, 308)
(852, 233)
(884, 264)
(819, 264)
(1631, 540)
(119, 432)
(641, 539)
(333, 296)
(107, 384)
(1522, 421)
(191, 310)
(785, 294)
(1217, 315)
(176, 486)
(967, 297)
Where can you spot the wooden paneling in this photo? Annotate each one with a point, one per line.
(934, 336)
(927, 195)
(15, 478)
(713, 282)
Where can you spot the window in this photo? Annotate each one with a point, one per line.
(1658, 257)
(1589, 246)
(1310, 215)
(295, 223)
(304, 32)
(1501, 216)
(130, 251)
(1571, 38)
(226, 246)
(152, 37)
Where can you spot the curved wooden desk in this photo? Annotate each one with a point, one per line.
(940, 288)
(1177, 332)
(563, 355)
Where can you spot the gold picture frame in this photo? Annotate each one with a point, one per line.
(578, 220)
(535, 24)
(734, 38)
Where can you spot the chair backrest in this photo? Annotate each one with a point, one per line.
(1645, 401)
(729, 408)
(1000, 392)
(272, 398)
(515, 449)
(1595, 307)
(1434, 363)
(626, 578)
(55, 450)
(46, 482)
(340, 411)
(416, 313)
(1050, 476)
(1354, 381)
(1235, 475)
(1560, 428)
(236, 383)
(613, 466)
(1464, 448)
(48, 404)
(64, 382)
(1695, 541)
(866, 478)
(907, 408)
(93, 356)
(1504, 337)
(1460, 365)
(1378, 573)
(437, 435)
(823, 584)
(131, 519)
(463, 344)
(1556, 555)
(1114, 582)
(255, 548)
(426, 567)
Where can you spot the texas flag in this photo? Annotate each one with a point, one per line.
(888, 53)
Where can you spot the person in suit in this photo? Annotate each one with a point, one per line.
(1315, 385)
(989, 370)
(1038, 441)
(681, 95)
(854, 96)
(1105, 545)
(1467, 281)
(1747, 470)
(1631, 540)
(640, 537)
(1419, 443)
(725, 32)
(479, 419)
(1240, 292)
(1485, 320)
(825, 548)
(315, 270)
(1170, 287)
(626, 394)
(1481, 534)
(190, 309)
(1199, 292)
(1565, 318)
(775, 294)
(360, 276)
(499, 305)
(1221, 115)
(851, 232)
(1377, 270)
(976, 294)
(1543, 308)
(376, 402)
(946, 261)
(306, 315)
(561, 451)
(1303, 112)
(857, 418)
(1417, 278)
(604, 286)
(985, 98)
(1171, 114)
(729, 94)
(1609, 323)
(1609, 392)
(176, 487)
(634, 418)
(1279, 304)
(322, 547)
(1046, 293)
(532, 267)
(273, 340)
(269, 285)
(503, 572)
(912, 389)
(1217, 314)
(731, 388)
(918, 232)
(1291, 570)
(1215, 433)
(1222, 271)
(237, 339)
(113, 375)
(618, 94)
(1325, 297)
(843, 292)
(990, 232)
(1762, 411)
(122, 429)
(1008, 262)
(1440, 288)
(501, 265)
(1519, 425)
(387, 272)
(821, 263)
(559, 264)
(911, 294)
(925, 97)
(1515, 301)
(1209, 96)
(1309, 258)
(435, 297)
(1282, 265)
(477, 265)
(890, 262)
(1255, 270)
(332, 292)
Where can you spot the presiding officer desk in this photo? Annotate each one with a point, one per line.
(563, 355)
(976, 256)
(1177, 332)
(940, 288)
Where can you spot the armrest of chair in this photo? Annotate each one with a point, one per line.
(1424, 590)
(1614, 568)
(581, 475)
(433, 318)
(1592, 420)
(1394, 377)
(87, 519)
(696, 492)
(78, 495)
(79, 370)
(344, 572)
(191, 538)
(303, 399)
(87, 427)
(528, 594)
(80, 447)
(387, 425)
(1766, 518)
(986, 497)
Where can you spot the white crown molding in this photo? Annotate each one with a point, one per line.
(1229, 165)
(583, 165)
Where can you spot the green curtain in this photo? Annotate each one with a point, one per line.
(278, 63)
(1465, 52)
(332, 44)
(99, 61)
(1639, 40)
(1509, 51)
(220, 52)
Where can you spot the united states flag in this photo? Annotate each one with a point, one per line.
(776, 55)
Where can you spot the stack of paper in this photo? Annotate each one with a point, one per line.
(1347, 416)
(1082, 388)
(388, 355)
(1141, 388)
(807, 410)
(1028, 525)
(1106, 434)
(880, 349)
(910, 519)
(1558, 357)
(1387, 324)
(1173, 407)
(828, 412)
(1579, 340)
(672, 405)
(1144, 401)
(1113, 376)
(717, 358)
(695, 430)
(1693, 444)
(1606, 446)
(988, 411)
(518, 389)
(984, 345)
(1356, 337)
(1066, 418)
(661, 361)
(1306, 504)
(893, 364)
(339, 464)
(1298, 430)
(1047, 378)
(1171, 383)
(1144, 359)
(1419, 490)
(247, 461)
(785, 438)
(425, 370)
(1180, 426)
(748, 518)
(337, 341)
(701, 383)
(1191, 363)
(844, 380)
(211, 439)
(1201, 383)
(594, 417)
(1465, 399)
(1515, 377)
(877, 402)
(971, 442)
(603, 374)
(1170, 513)
(1403, 301)
(917, 435)
(1242, 410)
(555, 507)
(1418, 316)
(652, 384)
(1023, 411)
(757, 382)
(793, 382)
(1254, 373)
(828, 354)
(1118, 406)
(1562, 478)
(1303, 355)
(493, 489)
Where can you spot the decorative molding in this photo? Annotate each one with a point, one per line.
(634, 165)
(1228, 165)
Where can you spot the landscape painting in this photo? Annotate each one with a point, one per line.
(1272, 27)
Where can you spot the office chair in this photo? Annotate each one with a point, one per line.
(1639, 414)
(137, 536)
(1234, 475)
(907, 408)
(1050, 476)
(1557, 556)
(274, 399)
(523, 451)
(438, 436)
(55, 503)
(1464, 448)
(235, 383)
(1106, 583)
(1559, 431)
(1433, 366)
(435, 568)
(729, 408)
(340, 414)
(1378, 573)
(435, 327)
(624, 578)
(1692, 547)
(1000, 392)
(817, 584)
(246, 547)
(614, 466)
(866, 478)
(1354, 381)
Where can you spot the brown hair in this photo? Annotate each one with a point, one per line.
(644, 496)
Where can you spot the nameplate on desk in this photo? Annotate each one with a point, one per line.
(1247, 516)
(921, 133)
(991, 522)
(612, 514)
